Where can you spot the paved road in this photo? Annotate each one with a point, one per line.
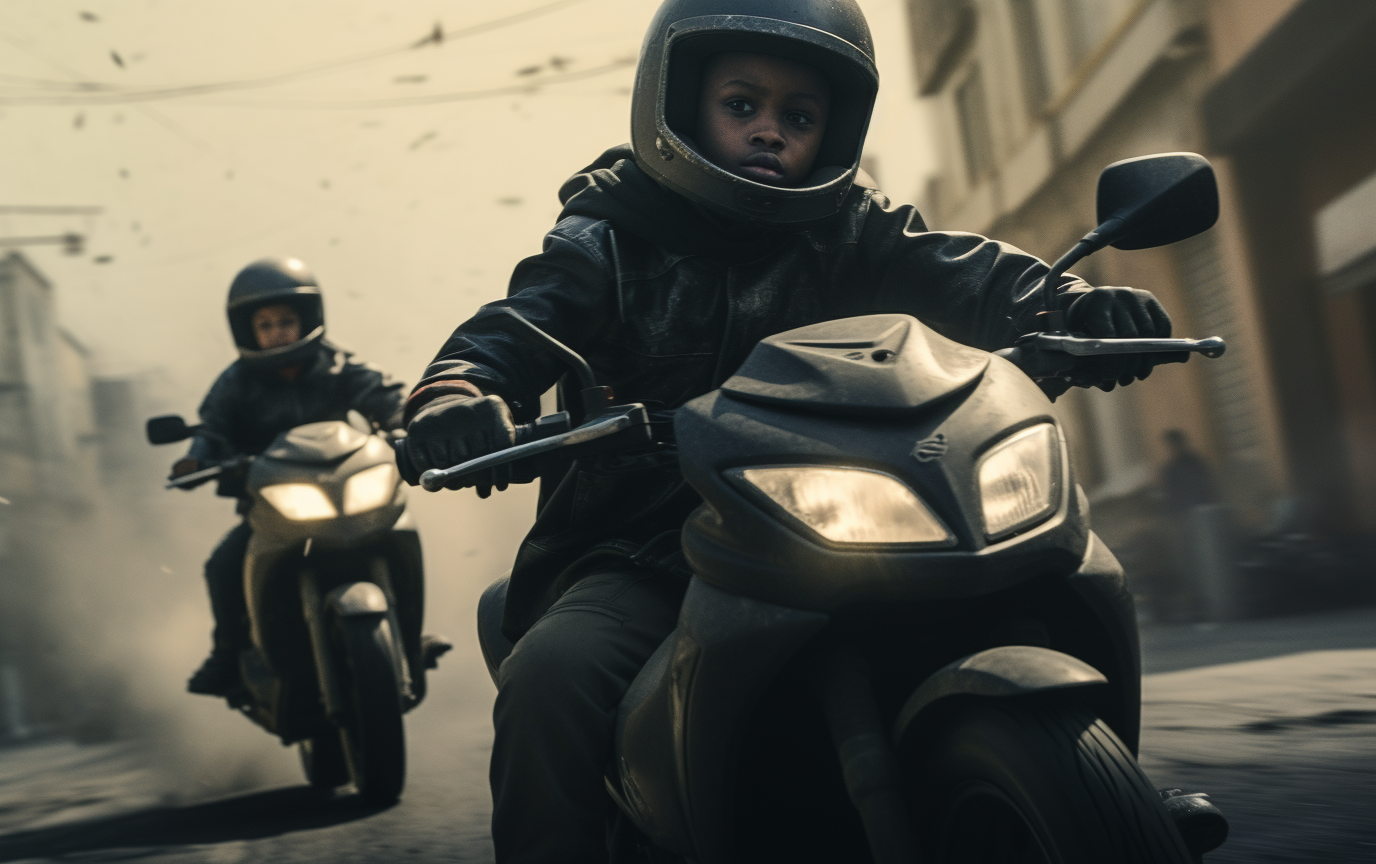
(1277, 719)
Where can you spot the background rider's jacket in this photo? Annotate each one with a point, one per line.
(665, 301)
(250, 407)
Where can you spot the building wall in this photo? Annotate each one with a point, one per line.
(1293, 109)
(1116, 79)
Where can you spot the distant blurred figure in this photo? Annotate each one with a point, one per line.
(287, 375)
(1187, 480)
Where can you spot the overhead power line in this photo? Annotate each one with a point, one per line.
(88, 93)
(529, 86)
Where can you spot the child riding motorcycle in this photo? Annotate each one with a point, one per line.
(672, 258)
(287, 375)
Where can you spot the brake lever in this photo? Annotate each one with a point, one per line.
(1052, 355)
(632, 418)
(1083, 346)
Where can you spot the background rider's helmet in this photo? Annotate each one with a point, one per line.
(829, 35)
(269, 282)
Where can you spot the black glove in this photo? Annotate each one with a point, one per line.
(1107, 313)
(456, 428)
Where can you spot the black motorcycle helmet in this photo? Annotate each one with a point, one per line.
(269, 282)
(829, 35)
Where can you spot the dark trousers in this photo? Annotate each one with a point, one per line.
(224, 577)
(557, 698)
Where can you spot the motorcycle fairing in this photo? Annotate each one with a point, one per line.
(740, 546)
(872, 364)
(342, 531)
(327, 441)
(686, 711)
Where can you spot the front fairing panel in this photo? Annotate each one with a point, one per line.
(341, 532)
(737, 544)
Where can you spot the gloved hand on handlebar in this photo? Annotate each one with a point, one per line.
(456, 428)
(1108, 313)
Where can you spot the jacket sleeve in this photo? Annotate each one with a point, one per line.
(966, 287)
(374, 394)
(217, 417)
(568, 290)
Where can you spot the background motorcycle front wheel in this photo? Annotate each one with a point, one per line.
(323, 759)
(374, 738)
(1037, 782)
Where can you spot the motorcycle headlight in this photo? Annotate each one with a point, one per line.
(370, 488)
(1019, 481)
(299, 502)
(848, 505)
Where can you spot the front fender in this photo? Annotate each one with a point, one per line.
(358, 598)
(1009, 670)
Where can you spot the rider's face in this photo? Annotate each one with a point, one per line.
(762, 117)
(275, 326)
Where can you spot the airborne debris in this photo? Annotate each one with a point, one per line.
(560, 63)
(434, 37)
(119, 61)
(428, 136)
(511, 201)
(102, 259)
(79, 120)
(530, 70)
(410, 79)
(88, 16)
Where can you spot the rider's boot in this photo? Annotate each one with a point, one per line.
(1201, 824)
(432, 648)
(218, 675)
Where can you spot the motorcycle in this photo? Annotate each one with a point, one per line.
(335, 590)
(902, 642)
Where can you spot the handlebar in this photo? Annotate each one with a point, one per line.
(196, 478)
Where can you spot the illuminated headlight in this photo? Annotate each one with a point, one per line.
(299, 502)
(370, 488)
(848, 505)
(1019, 480)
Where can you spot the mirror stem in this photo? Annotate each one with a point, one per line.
(1088, 245)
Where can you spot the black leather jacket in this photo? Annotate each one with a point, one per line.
(249, 407)
(665, 303)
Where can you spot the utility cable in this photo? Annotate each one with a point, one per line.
(434, 98)
(106, 96)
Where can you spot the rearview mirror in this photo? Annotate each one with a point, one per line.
(168, 429)
(1156, 200)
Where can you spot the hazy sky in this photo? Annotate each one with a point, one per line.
(411, 215)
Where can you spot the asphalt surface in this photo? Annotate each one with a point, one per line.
(1276, 719)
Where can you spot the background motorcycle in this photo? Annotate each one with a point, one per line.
(902, 641)
(335, 592)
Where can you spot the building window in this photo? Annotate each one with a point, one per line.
(972, 112)
(1027, 32)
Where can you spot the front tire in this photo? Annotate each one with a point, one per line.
(323, 760)
(373, 735)
(1036, 782)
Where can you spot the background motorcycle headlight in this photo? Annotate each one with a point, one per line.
(299, 501)
(849, 505)
(370, 488)
(1019, 480)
